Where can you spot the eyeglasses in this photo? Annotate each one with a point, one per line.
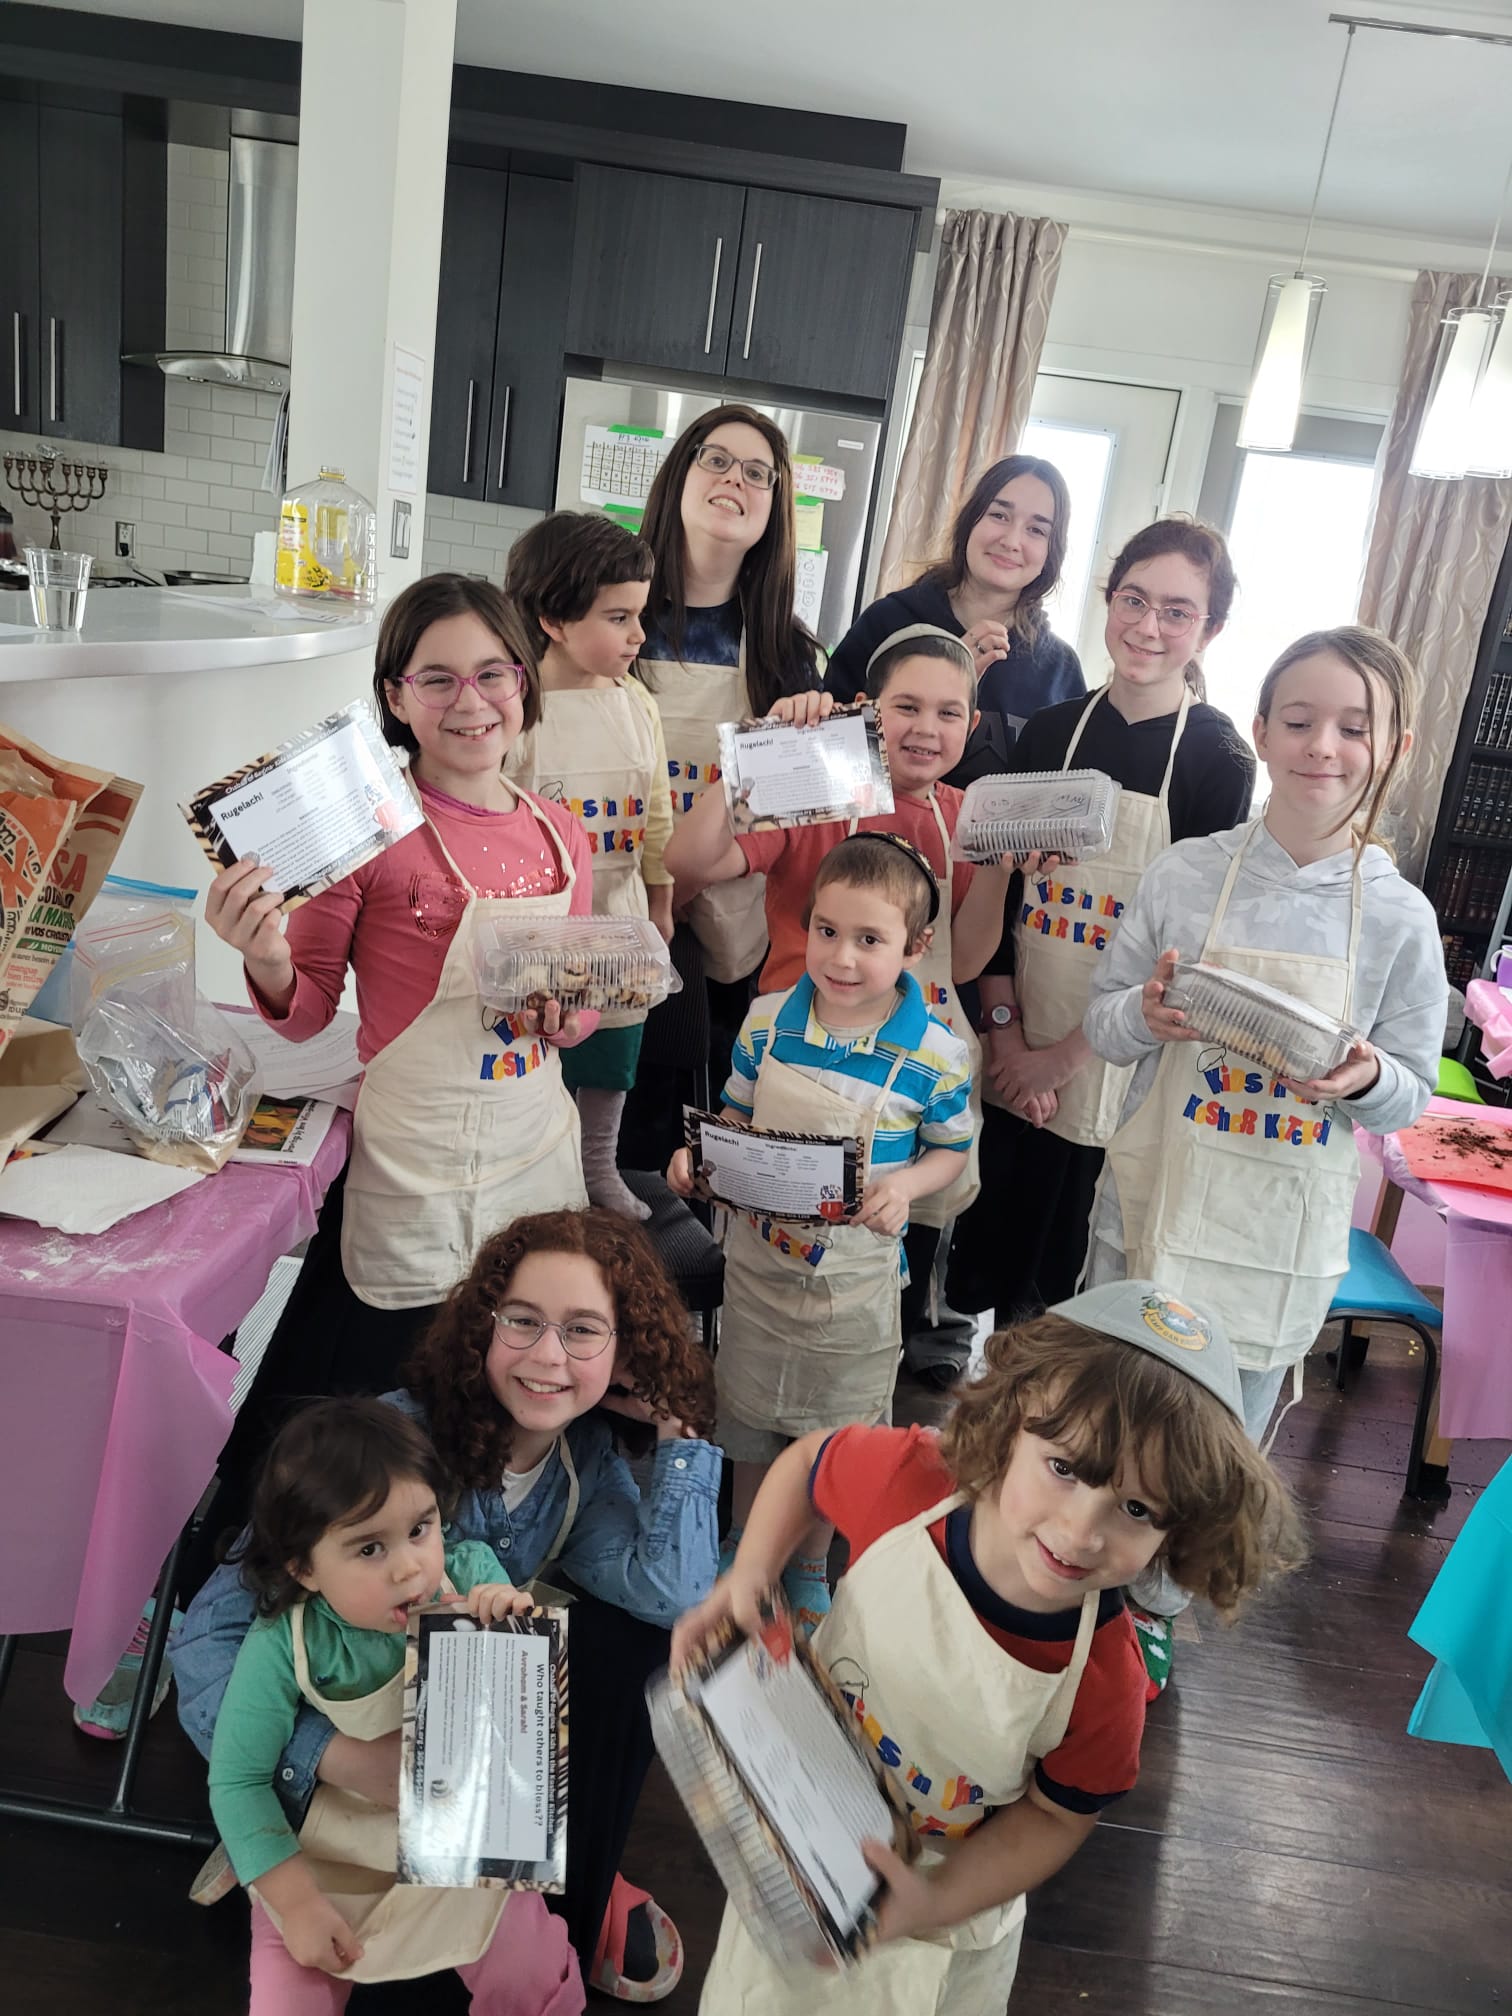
(719, 461)
(439, 689)
(582, 1336)
(1172, 618)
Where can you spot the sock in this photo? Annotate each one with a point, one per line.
(806, 1586)
(639, 1963)
(599, 1114)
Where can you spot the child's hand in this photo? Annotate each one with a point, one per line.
(1360, 1070)
(987, 642)
(803, 710)
(680, 1173)
(659, 903)
(1030, 865)
(247, 917)
(884, 1208)
(366, 1765)
(909, 1904)
(317, 1935)
(1166, 1025)
(735, 1598)
(543, 1017)
(492, 1602)
(1021, 1073)
(1039, 1108)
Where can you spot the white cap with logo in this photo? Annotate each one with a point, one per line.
(1140, 1313)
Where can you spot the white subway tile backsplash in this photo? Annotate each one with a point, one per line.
(186, 493)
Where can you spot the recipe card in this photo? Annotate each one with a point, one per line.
(776, 775)
(483, 1771)
(313, 810)
(812, 1179)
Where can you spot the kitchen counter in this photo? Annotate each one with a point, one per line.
(152, 632)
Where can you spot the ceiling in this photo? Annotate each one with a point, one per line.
(1215, 101)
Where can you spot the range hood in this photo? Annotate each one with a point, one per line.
(259, 276)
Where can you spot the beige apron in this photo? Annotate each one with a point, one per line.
(729, 918)
(1235, 1195)
(970, 1722)
(1066, 920)
(940, 998)
(351, 1846)
(457, 1131)
(806, 1346)
(594, 752)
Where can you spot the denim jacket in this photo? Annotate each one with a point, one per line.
(654, 1556)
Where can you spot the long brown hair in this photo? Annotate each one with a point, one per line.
(1381, 666)
(332, 1464)
(655, 1353)
(782, 654)
(1228, 1519)
(1028, 612)
(432, 599)
(1207, 549)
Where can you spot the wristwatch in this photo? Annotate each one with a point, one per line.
(999, 1017)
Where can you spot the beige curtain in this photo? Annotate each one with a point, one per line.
(1430, 567)
(993, 289)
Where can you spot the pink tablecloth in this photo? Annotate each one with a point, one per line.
(1489, 1007)
(1475, 1375)
(116, 1395)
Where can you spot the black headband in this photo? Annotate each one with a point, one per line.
(911, 853)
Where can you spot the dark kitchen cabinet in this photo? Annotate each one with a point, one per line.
(820, 293)
(755, 283)
(71, 179)
(653, 268)
(500, 310)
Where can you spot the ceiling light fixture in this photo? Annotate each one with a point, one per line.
(1467, 424)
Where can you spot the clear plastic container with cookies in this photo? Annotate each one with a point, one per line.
(1292, 1039)
(1065, 812)
(581, 962)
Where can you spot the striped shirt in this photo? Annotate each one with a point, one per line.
(929, 1103)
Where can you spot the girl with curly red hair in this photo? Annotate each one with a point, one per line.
(564, 1346)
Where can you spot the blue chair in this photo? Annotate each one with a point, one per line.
(1375, 1288)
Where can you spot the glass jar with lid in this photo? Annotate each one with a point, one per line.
(327, 541)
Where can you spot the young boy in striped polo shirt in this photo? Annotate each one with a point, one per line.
(810, 1330)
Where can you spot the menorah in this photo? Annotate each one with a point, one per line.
(34, 478)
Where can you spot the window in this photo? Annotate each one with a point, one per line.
(1083, 456)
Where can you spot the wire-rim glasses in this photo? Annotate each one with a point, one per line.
(581, 1336)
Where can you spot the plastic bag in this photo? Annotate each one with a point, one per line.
(52, 1002)
(158, 1054)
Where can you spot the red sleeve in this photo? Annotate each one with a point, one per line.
(762, 850)
(1097, 1760)
(319, 938)
(865, 1481)
(961, 873)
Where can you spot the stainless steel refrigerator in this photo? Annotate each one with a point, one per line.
(616, 432)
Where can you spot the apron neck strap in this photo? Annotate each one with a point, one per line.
(941, 828)
(557, 843)
(1221, 906)
(1356, 909)
(1086, 716)
(1176, 734)
(560, 1541)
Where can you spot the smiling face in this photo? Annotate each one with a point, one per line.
(1316, 741)
(543, 1387)
(725, 508)
(604, 644)
(1009, 545)
(1144, 654)
(926, 714)
(374, 1570)
(1044, 1538)
(857, 947)
(470, 738)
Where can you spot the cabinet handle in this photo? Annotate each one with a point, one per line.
(16, 360)
(52, 356)
(472, 393)
(713, 295)
(504, 437)
(751, 304)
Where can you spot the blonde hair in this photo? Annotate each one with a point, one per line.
(1228, 1519)
(1378, 661)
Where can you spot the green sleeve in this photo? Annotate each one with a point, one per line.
(255, 1721)
(472, 1561)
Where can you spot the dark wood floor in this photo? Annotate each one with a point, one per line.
(1288, 1848)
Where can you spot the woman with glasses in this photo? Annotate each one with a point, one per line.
(463, 1121)
(1050, 1104)
(1007, 546)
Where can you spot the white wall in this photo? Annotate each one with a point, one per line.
(199, 503)
(466, 538)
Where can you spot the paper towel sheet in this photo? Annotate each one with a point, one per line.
(87, 1189)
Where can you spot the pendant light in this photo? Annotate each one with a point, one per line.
(1466, 428)
(1287, 325)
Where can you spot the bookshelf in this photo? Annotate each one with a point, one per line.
(1469, 874)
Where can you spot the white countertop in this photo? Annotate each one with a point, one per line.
(139, 632)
